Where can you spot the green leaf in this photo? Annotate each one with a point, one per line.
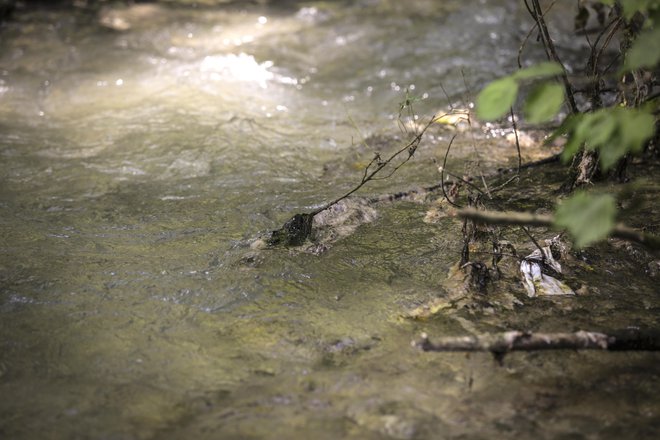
(614, 132)
(632, 128)
(644, 51)
(597, 128)
(568, 128)
(544, 102)
(540, 70)
(588, 218)
(571, 148)
(630, 7)
(567, 125)
(495, 100)
(611, 152)
(636, 128)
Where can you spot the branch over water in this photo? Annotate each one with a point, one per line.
(529, 219)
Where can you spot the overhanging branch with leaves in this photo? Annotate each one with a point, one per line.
(624, 232)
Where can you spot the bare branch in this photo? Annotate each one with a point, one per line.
(474, 140)
(550, 49)
(410, 147)
(613, 26)
(502, 343)
(515, 132)
(442, 173)
(523, 44)
(621, 231)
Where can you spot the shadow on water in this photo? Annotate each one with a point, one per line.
(143, 151)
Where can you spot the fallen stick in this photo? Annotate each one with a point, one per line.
(624, 232)
(502, 343)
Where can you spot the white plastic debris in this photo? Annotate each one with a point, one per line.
(538, 283)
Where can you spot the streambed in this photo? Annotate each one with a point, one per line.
(138, 159)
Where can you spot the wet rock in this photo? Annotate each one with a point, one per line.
(391, 419)
(323, 229)
(338, 351)
(317, 248)
(294, 232)
(251, 259)
(478, 275)
(638, 255)
(342, 219)
(524, 139)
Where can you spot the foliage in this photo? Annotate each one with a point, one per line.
(612, 132)
(644, 53)
(544, 102)
(588, 218)
(497, 98)
(632, 7)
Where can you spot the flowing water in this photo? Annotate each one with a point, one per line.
(142, 149)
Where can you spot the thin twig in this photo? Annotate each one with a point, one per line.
(529, 34)
(451, 107)
(533, 164)
(551, 51)
(594, 60)
(442, 174)
(515, 132)
(410, 147)
(536, 243)
(505, 184)
(465, 181)
(524, 43)
(596, 55)
(474, 140)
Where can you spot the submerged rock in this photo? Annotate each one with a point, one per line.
(321, 230)
(342, 219)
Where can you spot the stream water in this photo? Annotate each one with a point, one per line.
(141, 149)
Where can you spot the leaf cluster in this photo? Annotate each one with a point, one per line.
(613, 132)
(543, 102)
(644, 51)
(588, 218)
